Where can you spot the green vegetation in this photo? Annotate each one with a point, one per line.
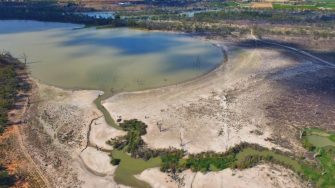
(241, 156)
(133, 139)
(318, 138)
(132, 142)
(306, 6)
(6, 180)
(247, 158)
(115, 161)
(324, 152)
(210, 161)
(9, 82)
(49, 11)
(220, 4)
(171, 161)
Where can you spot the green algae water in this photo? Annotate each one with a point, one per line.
(129, 167)
(111, 60)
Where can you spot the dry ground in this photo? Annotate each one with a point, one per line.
(220, 110)
(57, 138)
(263, 175)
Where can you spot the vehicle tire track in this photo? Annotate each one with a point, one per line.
(28, 157)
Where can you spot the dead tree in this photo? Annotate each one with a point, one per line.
(24, 58)
(159, 125)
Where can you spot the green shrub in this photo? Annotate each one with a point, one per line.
(6, 180)
(171, 161)
(115, 161)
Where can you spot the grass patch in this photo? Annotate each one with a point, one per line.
(268, 155)
(224, 4)
(294, 7)
(332, 137)
(308, 6)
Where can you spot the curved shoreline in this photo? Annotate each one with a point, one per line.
(105, 95)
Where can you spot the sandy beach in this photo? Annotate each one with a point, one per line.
(261, 176)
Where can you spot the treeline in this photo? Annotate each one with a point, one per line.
(301, 32)
(10, 84)
(190, 27)
(170, 2)
(44, 11)
(272, 16)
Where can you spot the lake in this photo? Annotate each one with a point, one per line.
(122, 59)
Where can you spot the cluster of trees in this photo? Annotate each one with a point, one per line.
(210, 161)
(275, 16)
(132, 142)
(170, 2)
(189, 27)
(171, 161)
(204, 162)
(133, 139)
(209, 22)
(9, 82)
(260, 31)
(49, 11)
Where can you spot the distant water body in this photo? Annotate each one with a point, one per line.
(119, 59)
(105, 15)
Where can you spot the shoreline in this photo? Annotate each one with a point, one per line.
(105, 95)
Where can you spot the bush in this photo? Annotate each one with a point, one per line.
(6, 180)
(171, 161)
(249, 161)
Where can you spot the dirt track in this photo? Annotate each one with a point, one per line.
(28, 157)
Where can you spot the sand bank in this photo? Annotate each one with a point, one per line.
(261, 176)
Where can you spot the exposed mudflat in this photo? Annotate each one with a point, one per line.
(212, 113)
(101, 132)
(58, 138)
(261, 176)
